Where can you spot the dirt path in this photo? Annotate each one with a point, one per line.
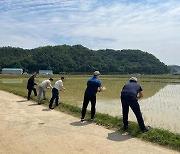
(32, 129)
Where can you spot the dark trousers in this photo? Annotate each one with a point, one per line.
(128, 100)
(29, 92)
(88, 98)
(55, 96)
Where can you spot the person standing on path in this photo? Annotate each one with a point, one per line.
(130, 94)
(93, 86)
(30, 85)
(42, 86)
(55, 92)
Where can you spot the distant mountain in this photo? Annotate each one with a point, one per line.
(77, 58)
(174, 69)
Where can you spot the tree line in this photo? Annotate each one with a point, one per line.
(77, 58)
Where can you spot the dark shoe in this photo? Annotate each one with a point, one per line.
(146, 129)
(82, 119)
(51, 108)
(92, 119)
(39, 103)
(125, 127)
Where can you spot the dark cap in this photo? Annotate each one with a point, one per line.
(51, 79)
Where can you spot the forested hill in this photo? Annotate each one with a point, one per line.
(65, 58)
(174, 69)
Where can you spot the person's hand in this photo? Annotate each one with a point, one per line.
(62, 89)
(103, 88)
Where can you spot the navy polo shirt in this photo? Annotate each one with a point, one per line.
(92, 86)
(131, 88)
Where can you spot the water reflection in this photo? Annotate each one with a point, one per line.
(160, 110)
(12, 80)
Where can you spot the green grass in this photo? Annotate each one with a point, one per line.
(157, 136)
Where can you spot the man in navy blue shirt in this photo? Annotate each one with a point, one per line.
(130, 94)
(93, 86)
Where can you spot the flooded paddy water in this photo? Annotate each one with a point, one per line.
(161, 110)
(160, 105)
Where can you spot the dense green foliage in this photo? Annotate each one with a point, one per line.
(65, 58)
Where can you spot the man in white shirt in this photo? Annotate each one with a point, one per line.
(55, 92)
(42, 86)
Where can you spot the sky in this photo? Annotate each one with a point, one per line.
(152, 26)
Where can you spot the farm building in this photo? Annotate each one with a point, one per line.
(45, 72)
(12, 71)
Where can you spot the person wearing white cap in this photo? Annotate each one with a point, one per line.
(93, 86)
(130, 94)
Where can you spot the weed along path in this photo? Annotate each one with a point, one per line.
(29, 128)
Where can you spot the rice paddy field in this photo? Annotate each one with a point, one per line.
(160, 105)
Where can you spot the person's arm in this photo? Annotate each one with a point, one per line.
(49, 85)
(34, 83)
(62, 86)
(140, 95)
(100, 89)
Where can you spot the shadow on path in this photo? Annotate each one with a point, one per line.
(118, 136)
(79, 123)
(46, 110)
(32, 104)
(23, 100)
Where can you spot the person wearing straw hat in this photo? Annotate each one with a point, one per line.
(130, 94)
(93, 86)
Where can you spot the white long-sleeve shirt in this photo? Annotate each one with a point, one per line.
(45, 84)
(58, 85)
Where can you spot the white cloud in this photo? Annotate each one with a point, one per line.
(152, 26)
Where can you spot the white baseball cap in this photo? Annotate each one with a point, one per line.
(133, 79)
(97, 73)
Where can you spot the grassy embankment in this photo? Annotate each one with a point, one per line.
(157, 136)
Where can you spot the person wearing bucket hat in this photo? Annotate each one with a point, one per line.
(93, 86)
(130, 94)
